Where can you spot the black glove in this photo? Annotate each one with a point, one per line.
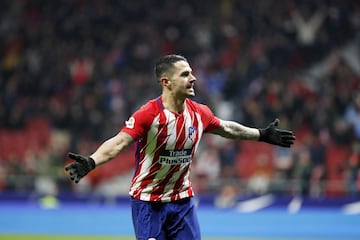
(276, 136)
(80, 167)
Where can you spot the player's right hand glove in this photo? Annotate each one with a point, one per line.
(79, 168)
(276, 136)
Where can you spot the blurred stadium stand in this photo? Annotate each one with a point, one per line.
(71, 72)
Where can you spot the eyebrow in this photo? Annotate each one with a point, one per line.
(185, 73)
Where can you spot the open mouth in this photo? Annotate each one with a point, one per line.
(190, 86)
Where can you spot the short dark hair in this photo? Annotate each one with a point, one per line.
(166, 62)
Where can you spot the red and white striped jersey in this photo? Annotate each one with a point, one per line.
(166, 144)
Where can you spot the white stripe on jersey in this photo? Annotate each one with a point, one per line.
(199, 130)
(169, 189)
(171, 128)
(146, 163)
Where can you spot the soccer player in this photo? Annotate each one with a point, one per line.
(167, 131)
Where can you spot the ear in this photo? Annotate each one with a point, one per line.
(165, 81)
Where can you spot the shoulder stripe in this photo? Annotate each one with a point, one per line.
(161, 106)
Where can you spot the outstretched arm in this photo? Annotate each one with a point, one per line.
(112, 147)
(271, 134)
(234, 130)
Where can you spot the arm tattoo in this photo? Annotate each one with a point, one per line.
(234, 130)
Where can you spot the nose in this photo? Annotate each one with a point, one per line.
(192, 78)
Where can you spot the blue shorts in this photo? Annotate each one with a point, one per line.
(164, 221)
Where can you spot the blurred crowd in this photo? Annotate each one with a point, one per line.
(85, 66)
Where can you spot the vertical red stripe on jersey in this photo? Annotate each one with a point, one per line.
(179, 144)
(180, 131)
(177, 187)
(160, 146)
(175, 195)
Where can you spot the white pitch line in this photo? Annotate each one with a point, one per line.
(295, 205)
(352, 208)
(255, 204)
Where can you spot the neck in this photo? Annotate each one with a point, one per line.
(173, 103)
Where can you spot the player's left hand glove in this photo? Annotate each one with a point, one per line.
(79, 168)
(276, 136)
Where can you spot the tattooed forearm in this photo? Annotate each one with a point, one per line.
(234, 130)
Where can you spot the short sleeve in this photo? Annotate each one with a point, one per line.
(137, 125)
(210, 121)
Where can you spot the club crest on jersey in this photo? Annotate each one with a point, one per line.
(130, 123)
(192, 133)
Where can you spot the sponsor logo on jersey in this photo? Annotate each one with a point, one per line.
(175, 157)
